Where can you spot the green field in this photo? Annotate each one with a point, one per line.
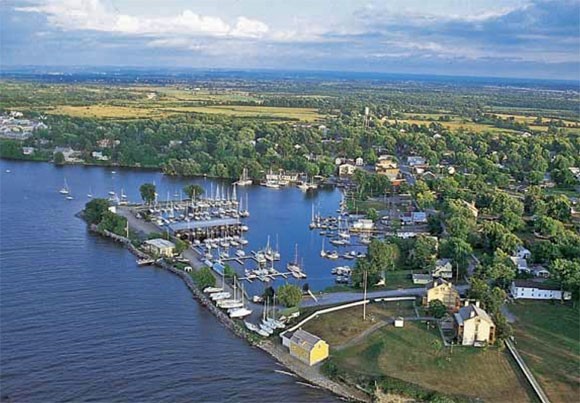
(340, 327)
(416, 355)
(548, 337)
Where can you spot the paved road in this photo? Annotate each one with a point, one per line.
(345, 297)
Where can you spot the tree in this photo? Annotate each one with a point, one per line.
(229, 272)
(289, 295)
(193, 190)
(95, 209)
(372, 214)
(478, 289)
(113, 223)
(59, 158)
(568, 272)
(437, 309)
(559, 207)
(204, 278)
(424, 252)
(180, 245)
(268, 294)
(458, 250)
(148, 192)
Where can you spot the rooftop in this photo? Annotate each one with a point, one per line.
(160, 243)
(305, 339)
(184, 225)
(471, 311)
(536, 284)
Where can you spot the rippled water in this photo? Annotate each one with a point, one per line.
(81, 322)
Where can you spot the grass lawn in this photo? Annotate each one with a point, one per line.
(338, 328)
(107, 112)
(548, 337)
(416, 355)
(306, 114)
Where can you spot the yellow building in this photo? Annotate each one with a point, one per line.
(474, 327)
(387, 167)
(443, 291)
(307, 347)
(160, 247)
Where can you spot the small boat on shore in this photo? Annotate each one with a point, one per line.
(145, 261)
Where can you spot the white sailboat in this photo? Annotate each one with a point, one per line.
(90, 194)
(65, 189)
(244, 179)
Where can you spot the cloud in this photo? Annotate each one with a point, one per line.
(74, 15)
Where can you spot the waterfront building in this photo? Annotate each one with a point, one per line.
(308, 348)
(160, 247)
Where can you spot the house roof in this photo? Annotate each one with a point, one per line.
(442, 262)
(436, 283)
(160, 243)
(536, 285)
(305, 339)
(469, 312)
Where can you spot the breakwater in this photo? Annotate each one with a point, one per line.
(310, 374)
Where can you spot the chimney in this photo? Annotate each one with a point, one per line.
(477, 304)
(466, 302)
(472, 313)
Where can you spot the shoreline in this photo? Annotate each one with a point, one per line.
(312, 375)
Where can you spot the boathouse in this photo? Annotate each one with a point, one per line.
(160, 247)
(308, 348)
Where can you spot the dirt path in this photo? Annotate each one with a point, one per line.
(362, 335)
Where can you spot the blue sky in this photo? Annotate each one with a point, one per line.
(511, 38)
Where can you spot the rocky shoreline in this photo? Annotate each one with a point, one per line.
(309, 374)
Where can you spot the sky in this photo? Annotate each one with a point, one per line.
(505, 38)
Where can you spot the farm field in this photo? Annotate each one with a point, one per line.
(416, 355)
(547, 338)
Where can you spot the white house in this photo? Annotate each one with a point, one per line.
(521, 264)
(346, 169)
(526, 289)
(416, 160)
(443, 269)
(27, 150)
(359, 162)
(523, 253)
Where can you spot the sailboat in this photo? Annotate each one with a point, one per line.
(294, 266)
(64, 190)
(244, 212)
(244, 179)
(90, 194)
(322, 251)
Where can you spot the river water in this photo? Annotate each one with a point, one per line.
(79, 321)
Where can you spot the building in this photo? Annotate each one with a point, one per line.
(98, 155)
(308, 348)
(526, 289)
(363, 225)
(69, 154)
(421, 279)
(359, 162)
(444, 291)
(399, 321)
(521, 264)
(416, 160)
(346, 169)
(27, 150)
(387, 167)
(522, 253)
(539, 271)
(474, 327)
(443, 268)
(160, 247)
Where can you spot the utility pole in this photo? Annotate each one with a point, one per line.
(365, 296)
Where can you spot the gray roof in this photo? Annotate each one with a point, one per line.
(160, 243)
(304, 338)
(535, 284)
(218, 222)
(466, 313)
(435, 283)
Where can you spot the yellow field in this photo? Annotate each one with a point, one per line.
(306, 114)
(158, 110)
(454, 125)
(107, 112)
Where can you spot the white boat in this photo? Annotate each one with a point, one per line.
(332, 255)
(262, 333)
(90, 194)
(210, 290)
(240, 313)
(69, 197)
(251, 326)
(244, 179)
(304, 186)
(220, 295)
(240, 253)
(64, 190)
(230, 304)
(266, 328)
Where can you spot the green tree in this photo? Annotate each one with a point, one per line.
(192, 190)
(113, 223)
(424, 252)
(437, 309)
(229, 271)
(289, 295)
(95, 209)
(568, 272)
(148, 192)
(204, 278)
(59, 158)
(458, 250)
(372, 214)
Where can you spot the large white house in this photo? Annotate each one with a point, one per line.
(526, 289)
